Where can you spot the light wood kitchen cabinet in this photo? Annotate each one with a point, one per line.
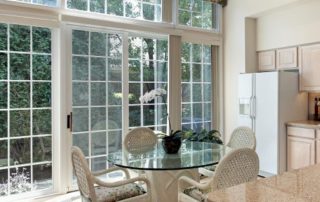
(287, 58)
(267, 60)
(301, 152)
(309, 64)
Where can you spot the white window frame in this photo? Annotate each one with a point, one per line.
(59, 19)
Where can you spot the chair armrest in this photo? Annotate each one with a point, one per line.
(113, 169)
(206, 172)
(185, 182)
(122, 182)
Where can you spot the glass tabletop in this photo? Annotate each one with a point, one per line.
(191, 155)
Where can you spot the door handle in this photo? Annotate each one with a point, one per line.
(254, 100)
(250, 108)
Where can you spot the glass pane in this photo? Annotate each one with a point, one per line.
(80, 119)
(20, 123)
(197, 113)
(196, 72)
(197, 92)
(41, 149)
(134, 70)
(98, 118)
(207, 112)
(115, 118)
(115, 70)
(80, 94)
(207, 92)
(19, 38)
(114, 141)
(134, 116)
(115, 7)
(98, 143)
(148, 71)
(3, 65)
(115, 93)
(19, 94)
(162, 50)
(148, 115)
(42, 94)
(185, 71)
(3, 36)
(77, 4)
(3, 182)
(196, 53)
(162, 72)
(185, 4)
(186, 89)
(206, 54)
(19, 66)
(97, 6)
(98, 69)
(149, 49)
(98, 164)
(98, 43)
(41, 40)
(135, 44)
(134, 93)
(41, 121)
(114, 45)
(98, 93)
(20, 180)
(186, 113)
(42, 176)
(185, 52)
(3, 95)
(185, 18)
(197, 5)
(80, 68)
(3, 157)
(80, 41)
(41, 67)
(82, 141)
(19, 151)
(206, 73)
(148, 12)
(3, 124)
(133, 9)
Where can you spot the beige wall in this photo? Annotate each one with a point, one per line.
(235, 46)
(297, 24)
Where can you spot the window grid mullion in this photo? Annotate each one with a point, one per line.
(31, 110)
(89, 100)
(8, 106)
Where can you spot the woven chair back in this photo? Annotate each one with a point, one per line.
(83, 174)
(242, 137)
(237, 167)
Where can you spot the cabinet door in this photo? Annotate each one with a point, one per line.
(267, 60)
(309, 63)
(287, 58)
(301, 152)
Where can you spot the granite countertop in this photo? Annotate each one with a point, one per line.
(297, 185)
(305, 124)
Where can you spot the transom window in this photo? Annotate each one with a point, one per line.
(25, 109)
(137, 9)
(198, 13)
(40, 2)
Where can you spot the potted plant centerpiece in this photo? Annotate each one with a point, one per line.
(171, 142)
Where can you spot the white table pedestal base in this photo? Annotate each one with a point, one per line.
(164, 184)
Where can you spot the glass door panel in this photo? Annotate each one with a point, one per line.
(97, 107)
(25, 109)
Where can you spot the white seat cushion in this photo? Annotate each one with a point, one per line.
(107, 194)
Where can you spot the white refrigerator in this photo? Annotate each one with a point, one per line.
(266, 102)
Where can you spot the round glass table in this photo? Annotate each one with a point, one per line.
(163, 170)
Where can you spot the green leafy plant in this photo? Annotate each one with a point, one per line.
(212, 136)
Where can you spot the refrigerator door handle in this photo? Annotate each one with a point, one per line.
(250, 104)
(254, 100)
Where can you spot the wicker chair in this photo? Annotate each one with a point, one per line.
(237, 167)
(241, 137)
(123, 190)
(140, 139)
